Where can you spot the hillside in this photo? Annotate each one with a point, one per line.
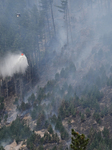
(68, 82)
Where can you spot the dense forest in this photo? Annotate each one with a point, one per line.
(68, 82)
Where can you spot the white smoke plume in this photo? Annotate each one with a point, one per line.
(12, 64)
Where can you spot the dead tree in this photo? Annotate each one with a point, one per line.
(51, 2)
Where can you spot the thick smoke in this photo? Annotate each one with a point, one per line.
(12, 64)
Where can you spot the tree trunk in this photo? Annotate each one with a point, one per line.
(21, 88)
(69, 20)
(66, 20)
(7, 91)
(1, 87)
(15, 85)
(38, 49)
(53, 18)
(48, 26)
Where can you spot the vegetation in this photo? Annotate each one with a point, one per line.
(40, 121)
(17, 130)
(2, 108)
(99, 140)
(97, 117)
(78, 141)
(88, 112)
(35, 140)
(72, 93)
(1, 148)
(59, 126)
(24, 106)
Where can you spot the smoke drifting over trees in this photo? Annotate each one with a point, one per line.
(64, 78)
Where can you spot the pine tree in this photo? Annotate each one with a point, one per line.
(1, 148)
(78, 141)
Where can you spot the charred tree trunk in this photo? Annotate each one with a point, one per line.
(69, 21)
(1, 87)
(38, 49)
(15, 85)
(48, 27)
(21, 88)
(66, 20)
(7, 93)
(52, 17)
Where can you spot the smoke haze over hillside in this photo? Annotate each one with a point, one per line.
(68, 65)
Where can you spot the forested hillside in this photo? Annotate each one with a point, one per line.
(68, 82)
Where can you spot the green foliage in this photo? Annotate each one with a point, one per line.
(68, 108)
(53, 119)
(33, 140)
(2, 108)
(59, 126)
(50, 139)
(37, 110)
(24, 106)
(54, 148)
(63, 73)
(96, 77)
(66, 72)
(50, 85)
(96, 116)
(40, 121)
(16, 101)
(109, 81)
(41, 147)
(104, 111)
(31, 99)
(102, 114)
(91, 98)
(1, 148)
(34, 113)
(70, 93)
(99, 140)
(82, 118)
(1, 104)
(46, 125)
(79, 142)
(88, 112)
(110, 110)
(63, 110)
(41, 95)
(69, 70)
(94, 92)
(5, 117)
(17, 131)
(57, 76)
(1, 99)
(64, 134)
(105, 133)
(50, 130)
